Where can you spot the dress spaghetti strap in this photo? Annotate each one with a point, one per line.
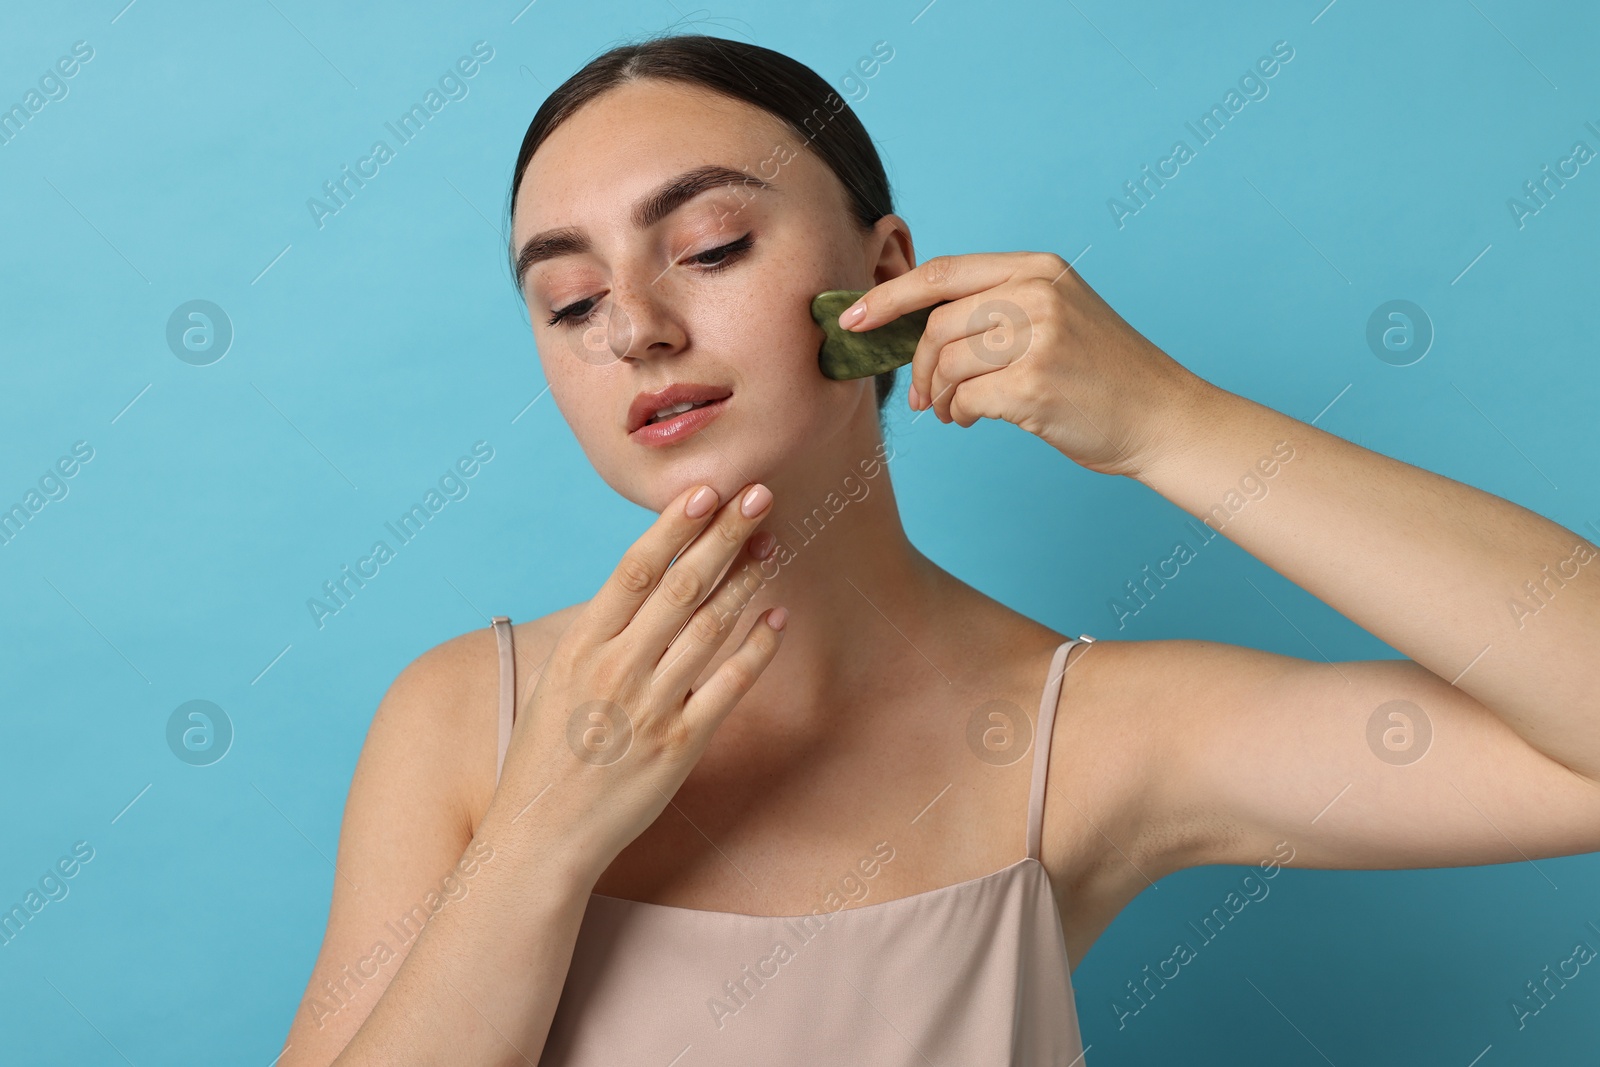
(508, 689)
(1041, 743)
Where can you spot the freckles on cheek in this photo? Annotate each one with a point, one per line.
(772, 322)
(778, 364)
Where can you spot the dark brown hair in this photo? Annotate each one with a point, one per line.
(779, 85)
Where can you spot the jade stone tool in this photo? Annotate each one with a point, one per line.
(846, 354)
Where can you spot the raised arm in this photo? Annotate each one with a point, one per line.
(1482, 747)
(1249, 756)
(1497, 607)
(1489, 596)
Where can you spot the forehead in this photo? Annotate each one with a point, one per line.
(622, 144)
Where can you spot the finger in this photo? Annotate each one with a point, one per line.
(641, 567)
(955, 365)
(708, 628)
(694, 574)
(984, 397)
(711, 703)
(951, 330)
(940, 278)
(981, 333)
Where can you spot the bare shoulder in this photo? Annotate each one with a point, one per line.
(420, 785)
(443, 711)
(1173, 738)
(1108, 833)
(470, 666)
(1110, 826)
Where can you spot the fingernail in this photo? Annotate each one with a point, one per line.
(756, 499)
(913, 396)
(853, 314)
(702, 502)
(777, 618)
(763, 544)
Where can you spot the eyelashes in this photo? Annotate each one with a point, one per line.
(728, 254)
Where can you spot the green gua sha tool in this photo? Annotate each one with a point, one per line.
(846, 354)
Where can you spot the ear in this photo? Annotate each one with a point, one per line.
(891, 248)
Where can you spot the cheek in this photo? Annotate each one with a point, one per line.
(777, 371)
(586, 396)
(807, 409)
(767, 337)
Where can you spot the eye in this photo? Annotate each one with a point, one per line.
(727, 253)
(566, 314)
(711, 261)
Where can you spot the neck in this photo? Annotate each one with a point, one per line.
(852, 581)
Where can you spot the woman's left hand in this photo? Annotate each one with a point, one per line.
(1023, 338)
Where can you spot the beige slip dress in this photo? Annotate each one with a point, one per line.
(967, 975)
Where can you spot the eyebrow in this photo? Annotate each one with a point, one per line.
(647, 211)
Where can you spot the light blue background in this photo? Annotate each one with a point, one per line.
(373, 352)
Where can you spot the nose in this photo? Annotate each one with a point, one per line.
(643, 323)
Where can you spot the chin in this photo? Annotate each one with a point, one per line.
(660, 480)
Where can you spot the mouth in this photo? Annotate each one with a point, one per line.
(663, 418)
(669, 413)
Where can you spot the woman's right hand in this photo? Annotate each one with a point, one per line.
(612, 729)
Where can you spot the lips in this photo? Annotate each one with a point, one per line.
(645, 405)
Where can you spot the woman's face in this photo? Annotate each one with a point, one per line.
(712, 289)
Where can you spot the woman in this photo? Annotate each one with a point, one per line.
(885, 853)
